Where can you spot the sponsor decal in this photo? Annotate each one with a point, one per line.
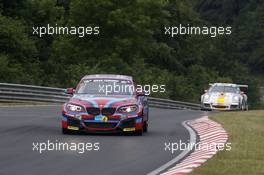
(73, 128)
(101, 118)
(129, 129)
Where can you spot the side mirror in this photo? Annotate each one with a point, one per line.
(205, 91)
(70, 91)
(141, 94)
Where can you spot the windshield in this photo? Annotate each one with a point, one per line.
(106, 87)
(225, 89)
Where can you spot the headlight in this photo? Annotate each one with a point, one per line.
(128, 109)
(206, 97)
(75, 108)
(235, 98)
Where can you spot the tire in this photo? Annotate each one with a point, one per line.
(246, 107)
(139, 132)
(203, 109)
(145, 127)
(65, 131)
(242, 107)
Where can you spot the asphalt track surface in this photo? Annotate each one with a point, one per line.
(118, 154)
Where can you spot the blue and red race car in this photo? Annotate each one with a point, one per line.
(105, 103)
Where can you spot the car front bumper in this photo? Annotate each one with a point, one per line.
(222, 107)
(124, 125)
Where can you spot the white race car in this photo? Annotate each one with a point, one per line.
(224, 96)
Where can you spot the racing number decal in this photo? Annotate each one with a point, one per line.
(221, 99)
(104, 119)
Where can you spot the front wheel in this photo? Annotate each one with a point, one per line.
(65, 131)
(246, 107)
(145, 126)
(139, 132)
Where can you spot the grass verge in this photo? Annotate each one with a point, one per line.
(246, 134)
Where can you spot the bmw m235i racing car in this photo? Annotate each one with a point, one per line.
(105, 103)
(224, 96)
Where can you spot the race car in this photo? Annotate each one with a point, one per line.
(224, 96)
(105, 103)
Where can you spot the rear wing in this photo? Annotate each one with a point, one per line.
(243, 88)
(239, 85)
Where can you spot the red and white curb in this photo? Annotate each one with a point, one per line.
(211, 135)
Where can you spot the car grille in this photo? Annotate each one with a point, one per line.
(130, 123)
(207, 105)
(108, 111)
(100, 125)
(234, 106)
(93, 111)
(220, 107)
(114, 118)
(104, 111)
(73, 122)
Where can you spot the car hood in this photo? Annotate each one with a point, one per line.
(102, 101)
(216, 96)
(219, 94)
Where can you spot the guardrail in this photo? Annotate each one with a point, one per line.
(262, 93)
(38, 94)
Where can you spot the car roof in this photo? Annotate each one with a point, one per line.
(108, 76)
(223, 84)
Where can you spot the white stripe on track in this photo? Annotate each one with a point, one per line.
(210, 134)
(181, 155)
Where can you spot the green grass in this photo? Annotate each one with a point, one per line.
(246, 134)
